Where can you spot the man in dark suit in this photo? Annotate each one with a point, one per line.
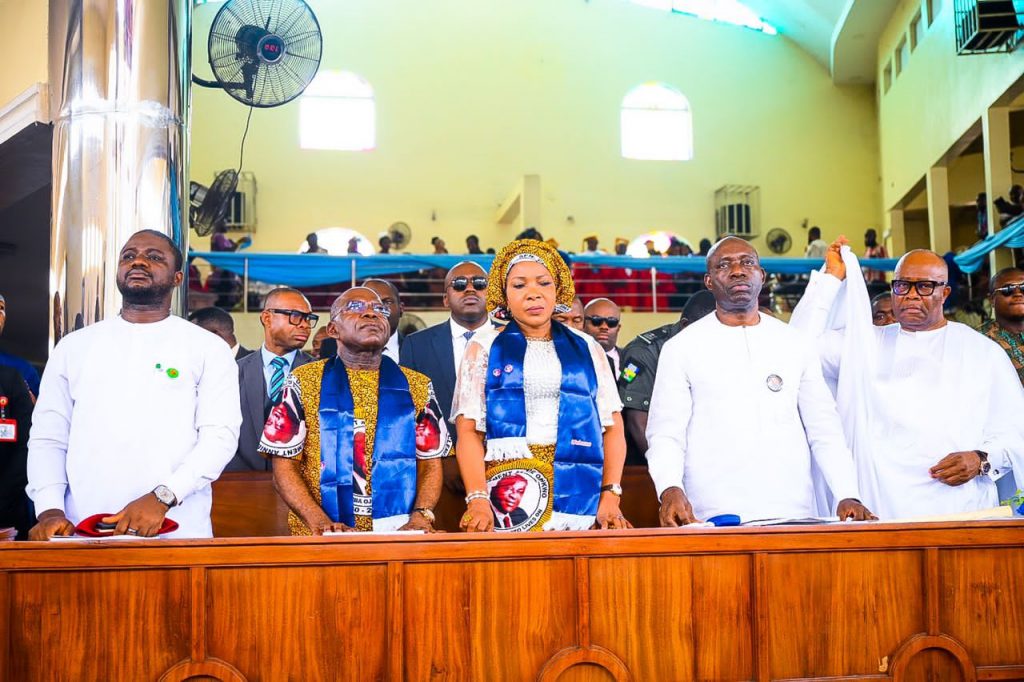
(15, 422)
(218, 321)
(601, 318)
(388, 294)
(287, 325)
(437, 351)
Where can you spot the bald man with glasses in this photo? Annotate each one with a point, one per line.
(287, 325)
(931, 408)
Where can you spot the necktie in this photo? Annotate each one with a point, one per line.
(508, 521)
(277, 378)
(467, 336)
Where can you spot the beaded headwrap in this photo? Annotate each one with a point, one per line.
(532, 250)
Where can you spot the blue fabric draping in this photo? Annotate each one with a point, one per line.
(1011, 237)
(309, 270)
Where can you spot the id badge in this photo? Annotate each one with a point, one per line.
(8, 431)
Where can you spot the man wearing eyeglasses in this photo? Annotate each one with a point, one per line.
(357, 441)
(1006, 292)
(601, 319)
(437, 351)
(931, 408)
(740, 413)
(287, 325)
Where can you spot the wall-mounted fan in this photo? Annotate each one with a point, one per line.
(264, 52)
(209, 205)
(400, 235)
(778, 240)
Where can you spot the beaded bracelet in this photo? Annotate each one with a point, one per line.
(477, 495)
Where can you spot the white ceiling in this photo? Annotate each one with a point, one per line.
(808, 23)
(842, 35)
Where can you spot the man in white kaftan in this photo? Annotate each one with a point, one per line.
(933, 417)
(740, 411)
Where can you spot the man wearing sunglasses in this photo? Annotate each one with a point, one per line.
(287, 325)
(1006, 292)
(358, 445)
(934, 417)
(437, 351)
(601, 318)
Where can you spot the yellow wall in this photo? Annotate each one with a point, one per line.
(23, 50)
(935, 100)
(472, 95)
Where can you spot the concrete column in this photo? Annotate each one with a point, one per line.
(939, 228)
(995, 129)
(896, 242)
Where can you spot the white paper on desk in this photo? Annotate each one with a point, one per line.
(805, 521)
(375, 532)
(81, 538)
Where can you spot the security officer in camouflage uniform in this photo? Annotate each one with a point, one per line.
(639, 362)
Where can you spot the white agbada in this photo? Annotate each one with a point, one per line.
(126, 407)
(735, 446)
(922, 396)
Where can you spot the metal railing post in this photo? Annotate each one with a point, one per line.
(353, 271)
(654, 290)
(245, 285)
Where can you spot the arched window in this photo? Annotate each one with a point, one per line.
(337, 111)
(656, 124)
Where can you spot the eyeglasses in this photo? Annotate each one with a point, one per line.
(360, 307)
(478, 283)
(1010, 289)
(924, 287)
(297, 317)
(597, 321)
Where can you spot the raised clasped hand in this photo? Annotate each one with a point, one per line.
(834, 264)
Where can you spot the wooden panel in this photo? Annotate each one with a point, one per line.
(840, 614)
(437, 628)
(690, 609)
(983, 594)
(521, 614)
(491, 620)
(301, 623)
(245, 504)
(98, 625)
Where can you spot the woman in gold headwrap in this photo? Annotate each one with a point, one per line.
(541, 443)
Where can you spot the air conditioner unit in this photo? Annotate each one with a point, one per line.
(737, 211)
(242, 209)
(987, 26)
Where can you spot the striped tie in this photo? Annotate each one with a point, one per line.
(277, 378)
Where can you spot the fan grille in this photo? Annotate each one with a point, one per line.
(245, 57)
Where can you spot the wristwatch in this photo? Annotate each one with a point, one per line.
(164, 494)
(428, 514)
(983, 467)
(613, 488)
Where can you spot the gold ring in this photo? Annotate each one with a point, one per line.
(467, 517)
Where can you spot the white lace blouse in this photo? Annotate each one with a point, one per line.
(542, 382)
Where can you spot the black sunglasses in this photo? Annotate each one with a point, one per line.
(597, 321)
(479, 283)
(1010, 289)
(924, 287)
(297, 317)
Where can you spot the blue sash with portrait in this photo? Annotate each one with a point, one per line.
(579, 450)
(394, 445)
